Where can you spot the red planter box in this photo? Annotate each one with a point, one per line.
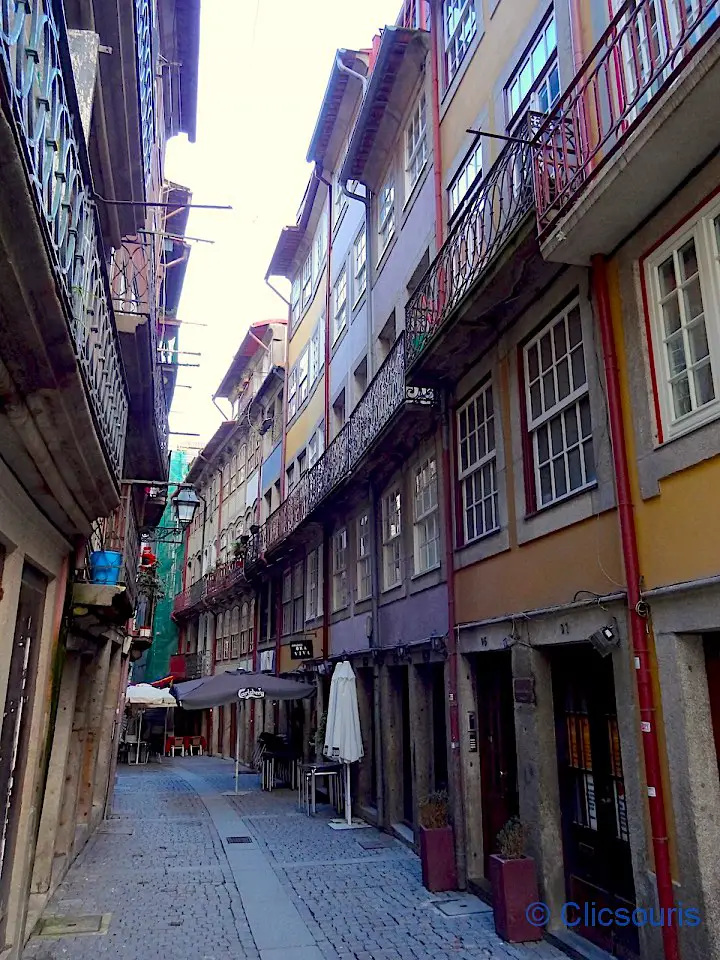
(514, 888)
(437, 856)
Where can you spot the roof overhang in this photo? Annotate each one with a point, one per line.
(332, 102)
(209, 451)
(251, 343)
(283, 258)
(180, 45)
(398, 67)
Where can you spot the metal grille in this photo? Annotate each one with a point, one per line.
(37, 74)
(146, 92)
(238, 840)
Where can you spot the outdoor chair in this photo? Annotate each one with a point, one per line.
(178, 743)
(195, 746)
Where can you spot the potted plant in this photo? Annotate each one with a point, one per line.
(437, 844)
(514, 885)
(238, 550)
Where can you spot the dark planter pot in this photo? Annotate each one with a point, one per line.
(514, 888)
(437, 856)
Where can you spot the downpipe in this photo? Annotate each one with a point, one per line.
(638, 624)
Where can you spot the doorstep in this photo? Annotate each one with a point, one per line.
(403, 832)
(575, 946)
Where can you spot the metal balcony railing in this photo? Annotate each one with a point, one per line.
(119, 532)
(223, 579)
(415, 15)
(144, 10)
(38, 79)
(385, 395)
(641, 53)
(490, 218)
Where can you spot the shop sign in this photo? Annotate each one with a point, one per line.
(301, 650)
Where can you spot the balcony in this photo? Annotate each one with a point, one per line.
(190, 666)
(214, 586)
(637, 119)
(58, 333)
(448, 324)
(134, 285)
(348, 454)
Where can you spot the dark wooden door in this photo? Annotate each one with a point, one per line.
(221, 730)
(496, 745)
(440, 764)
(712, 667)
(16, 720)
(234, 730)
(596, 838)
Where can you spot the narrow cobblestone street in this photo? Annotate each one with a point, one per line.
(163, 871)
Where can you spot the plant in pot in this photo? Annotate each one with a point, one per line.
(437, 844)
(514, 885)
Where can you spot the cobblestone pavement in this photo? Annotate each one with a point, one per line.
(173, 889)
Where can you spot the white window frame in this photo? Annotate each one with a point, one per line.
(298, 596)
(287, 603)
(386, 215)
(364, 558)
(468, 175)
(307, 280)
(533, 74)
(340, 200)
(292, 394)
(315, 446)
(340, 305)
(477, 464)
(359, 265)
(303, 378)
(317, 351)
(426, 517)
(295, 301)
(320, 246)
(416, 144)
(340, 592)
(313, 592)
(459, 29)
(541, 422)
(705, 233)
(392, 538)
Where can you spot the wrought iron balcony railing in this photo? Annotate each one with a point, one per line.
(162, 424)
(415, 15)
(222, 580)
(144, 11)
(119, 532)
(385, 395)
(491, 216)
(190, 666)
(39, 82)
(646, 45)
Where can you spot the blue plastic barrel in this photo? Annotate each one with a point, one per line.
(105, 566)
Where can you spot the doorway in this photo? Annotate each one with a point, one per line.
(496, 745)
(596, 838)
(16, 720)
(439, 727)
(712, 668)
(407, 777)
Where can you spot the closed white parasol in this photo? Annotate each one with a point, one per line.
(343, 739)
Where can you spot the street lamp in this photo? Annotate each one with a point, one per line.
(185, 504)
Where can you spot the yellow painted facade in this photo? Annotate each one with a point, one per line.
(464, 101)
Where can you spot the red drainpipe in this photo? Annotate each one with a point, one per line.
(638, 624)
(453, 707)
(328, 304)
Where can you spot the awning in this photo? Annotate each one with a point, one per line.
(234, 685)
(144, 695)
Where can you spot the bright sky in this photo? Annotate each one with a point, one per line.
(264, 65)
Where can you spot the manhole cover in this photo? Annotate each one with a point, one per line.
(462, 908)
(72, 926)
(238, 839)
(375, 843)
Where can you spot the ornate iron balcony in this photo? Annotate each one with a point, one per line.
(385, 395)
(41, 96)
(144, 10)
(644, 48)
(119, 532)
(489, 220)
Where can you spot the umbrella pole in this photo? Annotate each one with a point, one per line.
(348, 809)
(165, 734)
(139, 733)
(237, 749)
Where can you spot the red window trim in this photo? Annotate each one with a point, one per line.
(707, 199)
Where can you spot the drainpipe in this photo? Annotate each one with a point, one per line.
(366, 202)
(638, 622)
(435, 33)
(377, 699)
(575, 34)
(328, 304)
(275, 290)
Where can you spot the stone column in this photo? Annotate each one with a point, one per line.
(94, 719)
(472, 777)
(538, 788)
(106, 736)
(421, 738)
(695, 786)
(54, 788)
(65, 835)
(117, 731)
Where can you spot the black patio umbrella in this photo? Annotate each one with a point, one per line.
(233, 685)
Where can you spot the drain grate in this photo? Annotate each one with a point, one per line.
(238, 840)
(72, 926)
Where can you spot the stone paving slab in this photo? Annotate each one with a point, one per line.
(300, 891)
